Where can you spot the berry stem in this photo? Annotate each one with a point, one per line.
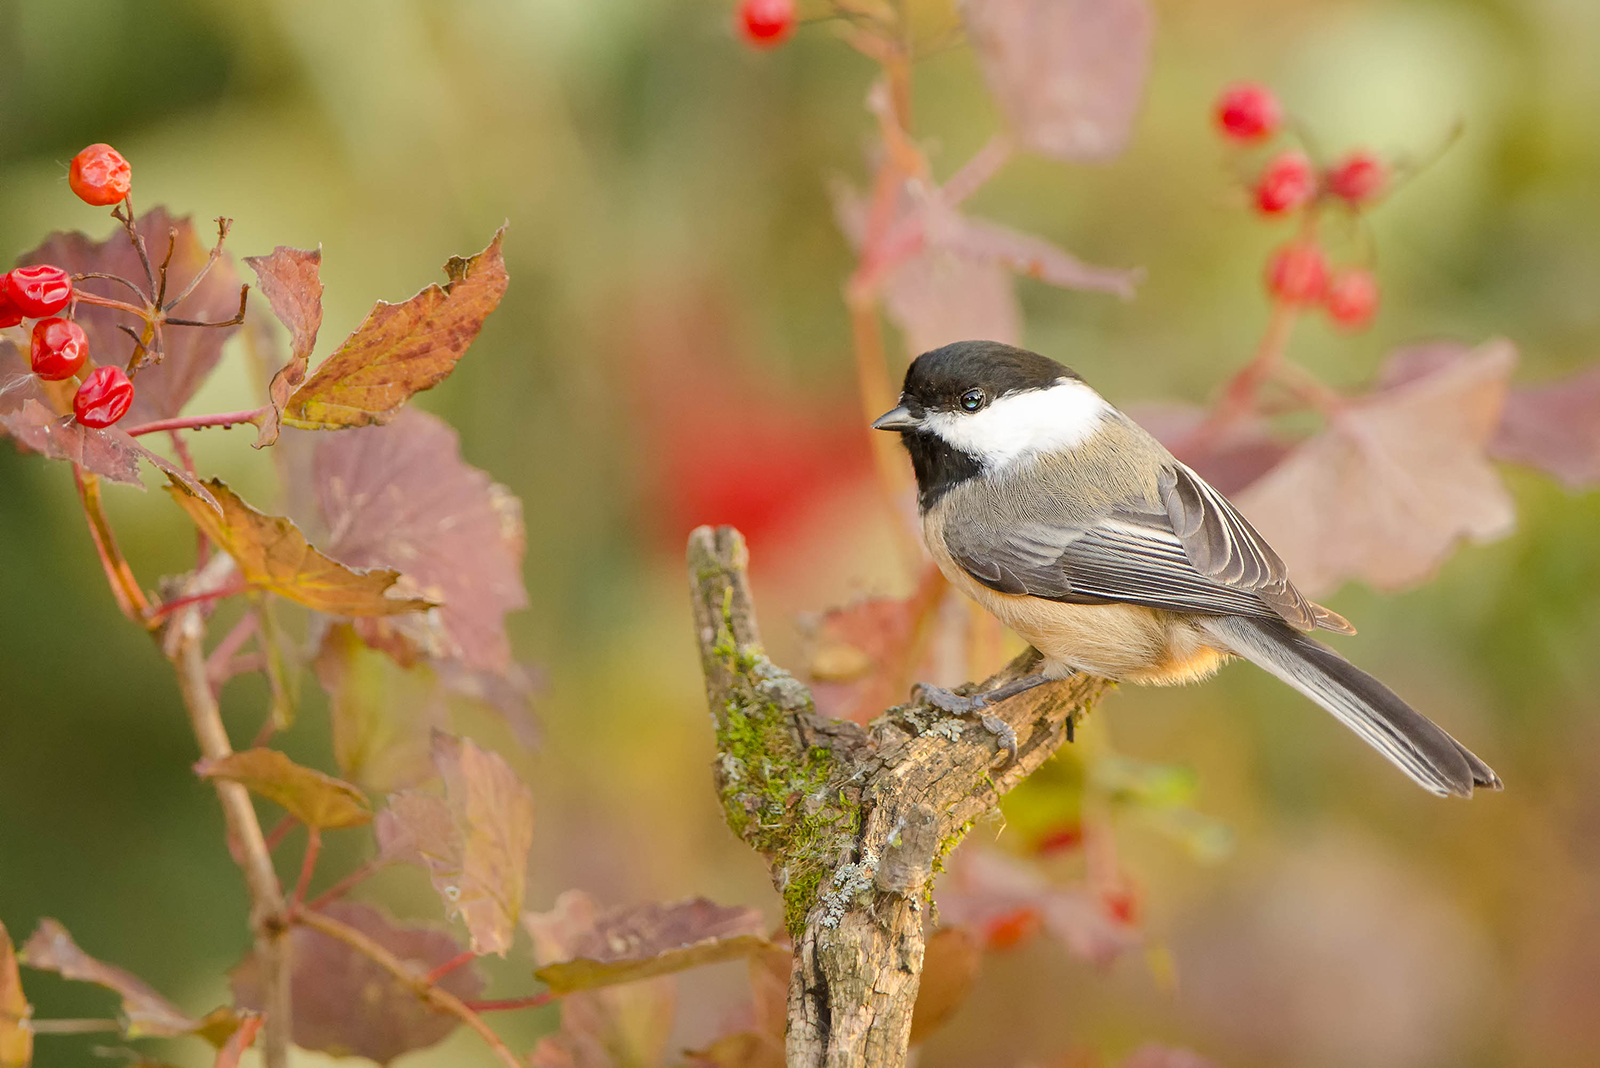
(98, 301)
(1239, 395)
(161, 611)
(244, 300)
(460, 960)
(199, 422)
(343, 886)
(223, 226)
(532, 1001)
(112, 278)
(123, 213)
(124, 587)
(307, 866)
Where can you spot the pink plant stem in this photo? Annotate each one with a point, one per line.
(458, 961)
(343, 886)
(1239, 395)
(81, 297)
(307, 866)
(279, 832)
(532, 1001)
(166, 609)
(197, 422)
(219, 665)
(976, 172)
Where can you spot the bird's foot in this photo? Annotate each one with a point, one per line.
(970, 708)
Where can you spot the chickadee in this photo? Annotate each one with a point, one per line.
(1079, 531)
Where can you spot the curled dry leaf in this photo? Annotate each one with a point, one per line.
(191, 352)
(949, 968)
(290, 279)
(313, 798)
(605, 1028)
(983, 886)
(1067, 74)
(1555, 428)
(346, 1005)
(401, 349)
(474, 841)
(273, 555)
(144, 1012)
(642, 941)
(1385, 493)
(401, 496)
(16, 1041)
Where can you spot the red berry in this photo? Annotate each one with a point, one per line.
(1287, 182)
(1010, 929)
(1248, 112)
(1352, 298)
(103, 398)
(59, 348)
(100, 176)
(38, 291)
(766, 23)
(1358, 177)
(10, 314)
(1297, 274)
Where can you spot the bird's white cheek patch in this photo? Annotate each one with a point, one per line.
(1023, 424)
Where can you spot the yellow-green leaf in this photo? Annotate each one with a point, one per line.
(16, 1041)
(313, 798)
(273, 555)
(401, 349)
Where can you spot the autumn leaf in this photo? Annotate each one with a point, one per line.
(1385, 493)
(383, 714)
(290, 279)
(401, 349)
(144, 1012)
(1230, 459)
(864, 656)
(1024, 254)
(949, 968)
(401, 496)
(243, 1037)
(1555, 428)
(16, 1041)
(605, 1028)
(273, 555)
(346, 1005)
(626, 945)
(1067, 74)
(474, 841)
(313, 798)
(191, 352)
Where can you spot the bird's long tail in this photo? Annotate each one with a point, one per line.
(1411, 741)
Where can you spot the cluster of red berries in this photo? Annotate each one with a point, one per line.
(59, 348)
(765, 23)
(1298, 273)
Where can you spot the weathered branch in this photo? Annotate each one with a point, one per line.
(853, 821)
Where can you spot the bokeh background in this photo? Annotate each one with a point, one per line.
(674, 350)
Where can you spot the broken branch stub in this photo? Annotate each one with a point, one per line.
(853, 821)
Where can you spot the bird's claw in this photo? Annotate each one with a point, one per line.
(971, 708)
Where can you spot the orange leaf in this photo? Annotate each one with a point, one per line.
(291, 282)
(16, 1041)
(313, 798)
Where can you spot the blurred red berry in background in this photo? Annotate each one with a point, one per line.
(1358, 177)
(766, 23)
(100, 176)
(1288, 181)
(1248, 112)
(1297, 274)
(1352, 298)
(1010, 929)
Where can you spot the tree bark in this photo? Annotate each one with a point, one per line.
(853, 821)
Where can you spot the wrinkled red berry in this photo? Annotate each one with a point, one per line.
(1297, 274)
(766, 23)
(1287, 182)
(38, 291)
(59, 348)
(1248, 112)
(100, 176)
(1358, 177)
(103, 398)
(10, 314)
(1352, 298)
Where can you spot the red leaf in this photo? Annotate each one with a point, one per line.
(191, 352)
(1556, 428)
(346, 1005)
(863, 658)
(291, 282)
(1067, 74)
(1230, 460)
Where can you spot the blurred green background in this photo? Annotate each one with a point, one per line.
(674, 260)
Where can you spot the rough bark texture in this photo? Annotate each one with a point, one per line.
(854, 821)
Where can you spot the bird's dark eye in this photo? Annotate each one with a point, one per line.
(972, 400)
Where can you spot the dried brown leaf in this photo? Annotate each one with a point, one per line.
(161, 390)
(983, 886)
(1067, 74)
(290, 279)
(273, 555)
(1385, 494)
(402, 349)
(949, 968)
(313, 798)
(383, 714)
(346, 1005)
(1555, 428)
(16, 1041)
(144, 1012)
(474, 841)
(401, 496)
(642, 941)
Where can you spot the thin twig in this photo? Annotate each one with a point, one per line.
(72, 1027)
(308, 865)
(438, 997)
(216, 251)
(161, 282)
(280, 831)
(532, 1001)
(343, 886)
(221, 657)
(166, 608)
(460, 960)
(111, 278)
(98, 301)
(123, 213)
(200, 422)
(244, 299)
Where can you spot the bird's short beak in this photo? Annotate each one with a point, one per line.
(898, 419)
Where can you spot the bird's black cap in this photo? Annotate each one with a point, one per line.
(939, 377)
